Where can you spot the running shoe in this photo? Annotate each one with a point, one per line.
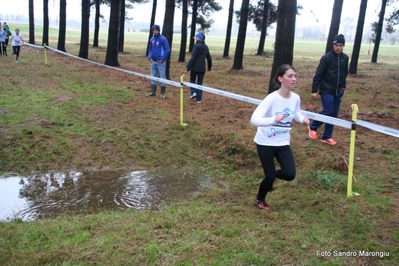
(194, 95)
(261, 204)
(312, 133)
(329, 141)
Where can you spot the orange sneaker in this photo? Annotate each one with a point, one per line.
(312, 133)
(329, 141)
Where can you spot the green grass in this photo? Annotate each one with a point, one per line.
(70, 114)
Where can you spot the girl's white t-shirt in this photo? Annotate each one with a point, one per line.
(270, 132)
(16, 39)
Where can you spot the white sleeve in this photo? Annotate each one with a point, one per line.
(259, 117)
(298, 115)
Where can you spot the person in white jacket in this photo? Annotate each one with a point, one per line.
(273, 119)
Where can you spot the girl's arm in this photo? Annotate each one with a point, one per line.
(259, 117)
(298, 115)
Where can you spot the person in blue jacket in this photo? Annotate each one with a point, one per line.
(158, 52)
(2, 41)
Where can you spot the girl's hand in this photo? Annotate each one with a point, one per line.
(279, 117)
(306, 120)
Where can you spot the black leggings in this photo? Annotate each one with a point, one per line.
(3, 48)
(16, 50)
(284, 157)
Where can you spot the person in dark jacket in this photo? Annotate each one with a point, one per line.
(197, 65)
(330, 82)
(158, 52)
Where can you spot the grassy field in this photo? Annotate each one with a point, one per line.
(70, 114)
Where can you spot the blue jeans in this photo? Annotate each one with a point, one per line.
(284, 157)
(331, 104)
(200, 78)
(158, 70)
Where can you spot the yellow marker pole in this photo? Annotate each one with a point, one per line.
(45, 54)
(349, 192)
(181, 102)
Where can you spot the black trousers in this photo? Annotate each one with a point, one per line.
(284, 157)
(2, 48)
(16, 50)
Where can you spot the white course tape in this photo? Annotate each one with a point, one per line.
(33, 45)
(166, 81)
(328, 119)
(381, 129)
(310, 115)
(224, 93)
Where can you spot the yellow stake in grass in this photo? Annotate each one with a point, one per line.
(181, 102)
(349, 192)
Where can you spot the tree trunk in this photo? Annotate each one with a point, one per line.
(62, 30)
(263, 32)
(122, 26)
(358, 38)
(84, 32)
(45, 23)
(168, 29)
(379, 32)
(285, 35)
(183, 42)
(193, 25)
(334, 26)
(111, 57)
(228, 30)
(96, 23)
(31, 23)
(153, 13)
(242, 31)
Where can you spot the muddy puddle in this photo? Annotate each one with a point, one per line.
(48, 195)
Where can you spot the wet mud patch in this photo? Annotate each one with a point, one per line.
(74, 192)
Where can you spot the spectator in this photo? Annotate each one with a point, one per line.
(159, 51)
(196, 64)
(2, 41)
(330, 81)
(8, 34)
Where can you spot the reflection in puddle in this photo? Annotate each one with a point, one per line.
(48, 195)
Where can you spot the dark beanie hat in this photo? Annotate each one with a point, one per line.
(339, 39)
(156, 27)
